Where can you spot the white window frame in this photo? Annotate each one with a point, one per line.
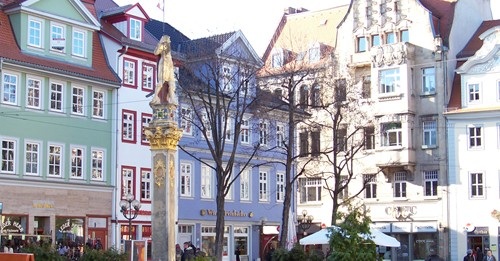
(474, 94)
(277, 60)
(10, 88)
(77, 162)
(129, 72)
(56, 94)
(148, 76)
(135, 29)
(310, 187)
(245, 130)
(98, 160)
(475, 138)
(314, 53)
(400, 185)
(371, 182)
(431, 182)
(498, 90)
(245, 192)
(392, 134)
(127, 181)
(229, 122)
(206, 124)
(60, 34)
(146, 184)
(55, 160)
(8, 165)
(34, 90)
(78, 100)
(280, 186)
(429, 80)
(98, 103)
(280, 135)
(186, 179)
(206, 182)
(389, 81)
(263, 132)
(429, 133)
(477, 185)
(186, 120)
(227, 79)
(128, 126)
(79, 37)
(146, 118)
(263, 185)
(35, 40)
(32, 154)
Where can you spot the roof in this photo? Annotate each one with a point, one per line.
(159, 28)
(442, 12)
(309, 26)
(205, 46)
(11, 52)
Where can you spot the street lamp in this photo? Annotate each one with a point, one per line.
(305, 221)
(127, 205)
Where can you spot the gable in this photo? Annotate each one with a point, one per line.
(67, 10)
(239, 47)
(137, 13)
(487, 58)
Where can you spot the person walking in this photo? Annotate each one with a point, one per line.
(489, 256)
(188, 253)
(469, 256)
(178, 252)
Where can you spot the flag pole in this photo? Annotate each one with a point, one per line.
(163, 9)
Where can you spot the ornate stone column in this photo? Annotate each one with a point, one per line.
(163, 134)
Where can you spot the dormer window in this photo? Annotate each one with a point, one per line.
(277, 58)
(57, 38)
(135, 29)
(34, 32)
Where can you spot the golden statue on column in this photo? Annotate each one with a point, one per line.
(165, 88)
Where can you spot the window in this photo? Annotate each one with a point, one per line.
(34, 33)
(498, 90)
(400, 185)
(315, 143)
(146, 183)
(227, 79)
(280, 187)
(206, 182)
(429, 133)
(32, 155)
(9, 88)
(429, 80)
(228, 126)
(314, 53)
(128, 174)
(98, 164)
(392, 134)
(245, 184)
(55, 160)
(344, 189)
(263, 186)
(404, 36)
(475, 137)
(186, 174)
(366, 92)
(78, 98)
(310, 190)
(280, 135)
(186, 120)
(361, 44)
(98, 104)
(145, 120)
(370, 185)
(129, 74)
(135, 29)
(8, 155)
(375, 40)
(148, 79)
(57, 38)
(77, 163)
(303, 144)
(263, 133)
(245, 131)
(277, 59)
(390, 38)
(128, 126)
(78, 43)
(369, 137)
(430, 183)
(341, 142)
(476, 185)
(340, 90)
(473, 92)
(206, 125)
(315, 96)
(33, 93)
(303, 96)
(56, 97)
(389, 80)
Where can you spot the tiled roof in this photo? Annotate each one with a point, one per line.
(158, 29)
(310, 26)
(205, 46)
(99, 70)
(115, 10)
(443, 12)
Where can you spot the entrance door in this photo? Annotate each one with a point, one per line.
(99, 235)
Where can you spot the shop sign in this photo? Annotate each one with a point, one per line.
(228, 213)
(401, 227)
(424, 227)
(9, 226)
(68, 227)
(480, 231)
(383, 227)
(43, 204)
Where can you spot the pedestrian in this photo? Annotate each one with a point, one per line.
(433, 256)
(479, 254)
(178, 252)
(489, 256)
(469, 256)
(188, 252)
(237, 253)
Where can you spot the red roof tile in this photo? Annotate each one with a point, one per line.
(99, 70)
(442, 12)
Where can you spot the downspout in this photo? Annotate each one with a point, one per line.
(115, 241)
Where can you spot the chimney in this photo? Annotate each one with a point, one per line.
(291, 10)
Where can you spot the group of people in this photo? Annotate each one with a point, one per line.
(189, 252)
(478, 255)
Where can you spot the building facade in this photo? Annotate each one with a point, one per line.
(57, 145)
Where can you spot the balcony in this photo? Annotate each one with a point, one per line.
(394, 158)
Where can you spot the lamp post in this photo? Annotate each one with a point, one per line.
(130, 209)
(305, 221)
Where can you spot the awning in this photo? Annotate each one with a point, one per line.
(323, 237)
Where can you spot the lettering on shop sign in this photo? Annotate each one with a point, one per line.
(11, 226)
(67, 227)
(230, 213)
(43, 204)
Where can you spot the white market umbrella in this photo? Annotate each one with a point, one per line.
(323, 237)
